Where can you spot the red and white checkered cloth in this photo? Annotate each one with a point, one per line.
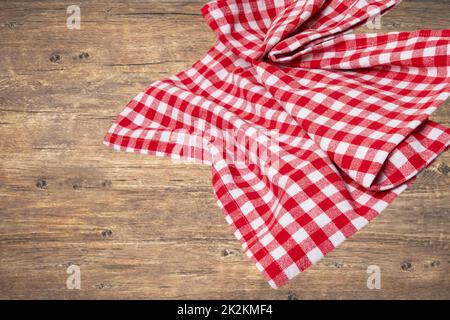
(311, 130)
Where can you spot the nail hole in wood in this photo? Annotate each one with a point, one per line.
(56, 58)
(41, 183)
(107, 233)
(407, 266)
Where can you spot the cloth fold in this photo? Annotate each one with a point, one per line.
(310, 130)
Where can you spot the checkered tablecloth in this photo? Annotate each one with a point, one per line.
(310, 129)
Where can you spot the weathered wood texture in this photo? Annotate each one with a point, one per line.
(141, 227)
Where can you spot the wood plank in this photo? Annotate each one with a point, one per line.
(143, 227)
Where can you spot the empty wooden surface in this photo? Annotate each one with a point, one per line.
(143, 227)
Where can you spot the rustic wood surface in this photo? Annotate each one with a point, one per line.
(143, 227)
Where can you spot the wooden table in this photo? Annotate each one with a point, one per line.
(141, 227)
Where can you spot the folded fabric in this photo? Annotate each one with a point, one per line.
(311, 130)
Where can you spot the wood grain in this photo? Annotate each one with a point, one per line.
(143, 227)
